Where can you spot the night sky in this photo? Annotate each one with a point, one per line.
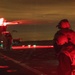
(42, 17)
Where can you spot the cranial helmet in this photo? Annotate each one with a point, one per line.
(62, 39)
(63, 24)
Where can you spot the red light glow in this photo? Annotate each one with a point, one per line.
(4, 67)
(11, 70)
(29, 46)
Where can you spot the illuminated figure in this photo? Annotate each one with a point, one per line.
(64, 45)
(5, 36)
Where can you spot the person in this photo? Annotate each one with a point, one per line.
(64, 40)
(64, 28)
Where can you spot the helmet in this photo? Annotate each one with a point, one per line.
(62, 39)
(63, 24)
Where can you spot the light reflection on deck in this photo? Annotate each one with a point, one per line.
(31, 47)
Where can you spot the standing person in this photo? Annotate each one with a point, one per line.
(64, 37)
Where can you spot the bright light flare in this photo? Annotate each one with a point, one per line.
(1, 21)
(29, 46)
(34, 46)
(4, 23)
(10, 23)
